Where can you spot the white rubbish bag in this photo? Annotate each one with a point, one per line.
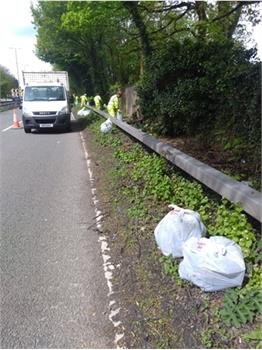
(86, 113)
(119, 116)
(213, 263)
(80, 112)
(106, 126)
(175, 228)
(83, 112)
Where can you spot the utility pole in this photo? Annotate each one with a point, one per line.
(0, 84)
(16, 61)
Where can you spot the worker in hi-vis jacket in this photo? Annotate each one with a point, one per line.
(113, 106)
(98, 101)
(83, 100)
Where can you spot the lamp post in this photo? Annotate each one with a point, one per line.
(16, 62)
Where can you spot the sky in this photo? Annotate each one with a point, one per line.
(18, 38)
(17, 33)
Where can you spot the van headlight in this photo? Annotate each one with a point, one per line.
(64, 110)
(27, 112)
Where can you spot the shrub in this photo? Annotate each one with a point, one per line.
(192, 87)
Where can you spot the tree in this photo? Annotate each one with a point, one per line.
(7, 82)
(221, 20)
(133, 8)
(103, 43)
(89, 40)
(54, 43)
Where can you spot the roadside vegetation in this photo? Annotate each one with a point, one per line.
(187, 60)
(209, 95)
(140, 185)
(7, 82)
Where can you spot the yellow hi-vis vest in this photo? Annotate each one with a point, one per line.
(83, 100)
(98, 102)
(113, 106)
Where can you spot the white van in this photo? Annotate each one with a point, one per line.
(46, 106)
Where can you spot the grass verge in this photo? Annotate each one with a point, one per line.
(158, 308)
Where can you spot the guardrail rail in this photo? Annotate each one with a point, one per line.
(6, 102)
(233, 190)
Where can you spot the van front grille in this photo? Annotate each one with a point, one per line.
(45, 120)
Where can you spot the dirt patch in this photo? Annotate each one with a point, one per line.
(237, 162)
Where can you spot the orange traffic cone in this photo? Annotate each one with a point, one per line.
(15, 120)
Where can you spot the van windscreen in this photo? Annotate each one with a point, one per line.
(44, 93)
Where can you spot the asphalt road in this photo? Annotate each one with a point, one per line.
(53, 289)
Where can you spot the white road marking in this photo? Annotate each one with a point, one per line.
(108, 266)
(11, 126)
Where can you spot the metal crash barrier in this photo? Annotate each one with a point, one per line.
(233, 190)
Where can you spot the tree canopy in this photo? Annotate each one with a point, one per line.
(102, 43)
(187, 59)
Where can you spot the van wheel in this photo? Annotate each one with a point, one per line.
(27, 130)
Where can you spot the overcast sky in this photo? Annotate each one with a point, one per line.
(17, 31)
